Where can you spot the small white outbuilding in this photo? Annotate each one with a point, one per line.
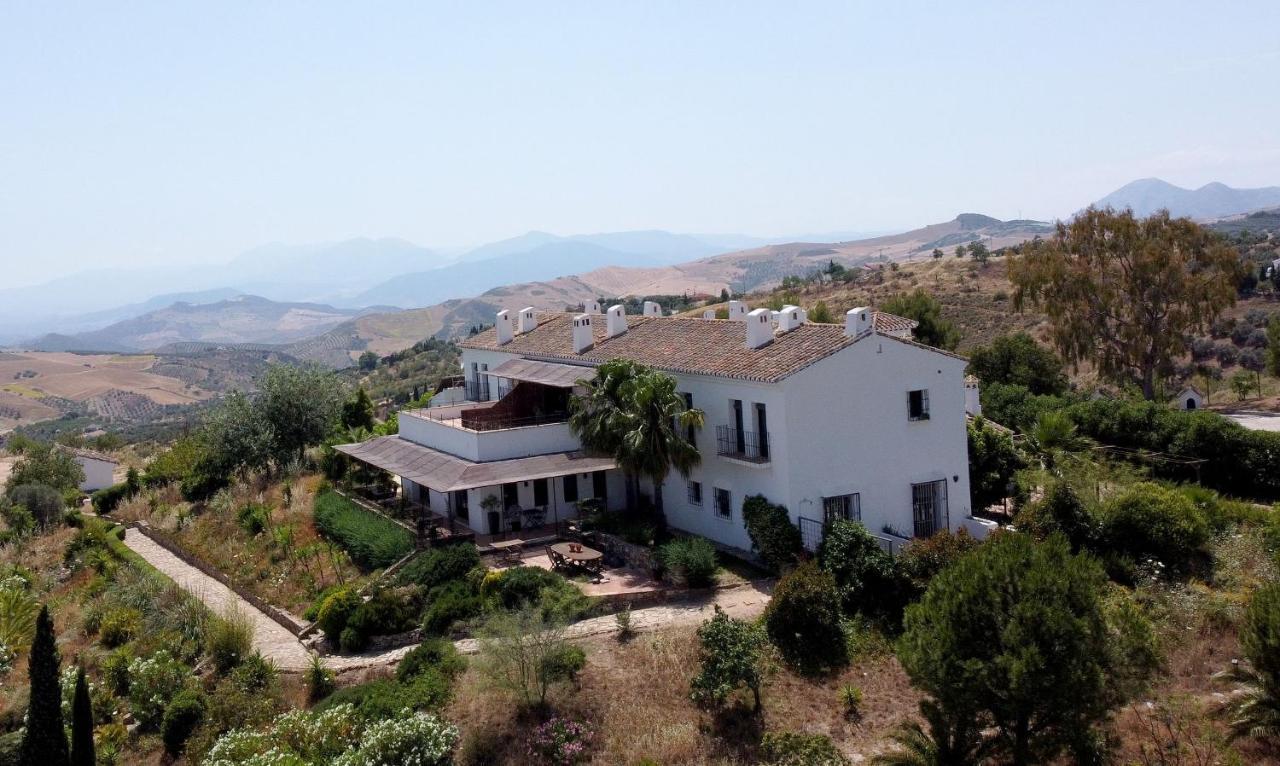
(99, 469)
(1190, 398)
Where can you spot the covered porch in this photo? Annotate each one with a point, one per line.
(494, 499)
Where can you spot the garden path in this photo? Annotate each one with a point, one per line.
(290, 655)
(269, 637)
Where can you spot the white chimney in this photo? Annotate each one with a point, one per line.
(503, 327)
(615, 321)
(709, 314)
(759, 328)
(737, 310)
(528, 320)
(857, 321)
(592, 307)
(583, 337)
(972, 396)
(652, 309)
(790, 318)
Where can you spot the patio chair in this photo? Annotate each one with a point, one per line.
(558, 562)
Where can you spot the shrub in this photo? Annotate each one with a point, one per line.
(253, 518)
(418, 740)
(1150, 520)
(115, 672)
(563, 664)
(373, 542)
(789, 748)
(119, 627)
(44, 503)
(153, 682)
(385, 698)
(515, 649)
(439, 566)
(523, 586)
(384, 613)
(352, 640)
(436, 654)
(450, 604)
(923, 558)
(803, 620)
(229, 639)
(772, 533)
(336, 610)
(255, 673)
(562, 742)
(868, 580)
(297, 737)
(851, 701)
(689, 561)
(1059, 512)
(108, 499)
(320, 680)
(731, 654)
(181, 717)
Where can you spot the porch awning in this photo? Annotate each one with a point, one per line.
(445, 473)
(546, 373)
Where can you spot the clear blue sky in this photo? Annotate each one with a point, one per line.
(142, 133)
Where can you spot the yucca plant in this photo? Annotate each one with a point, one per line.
(1255, 711)
(17, 618)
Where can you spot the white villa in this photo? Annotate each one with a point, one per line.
(855, 421)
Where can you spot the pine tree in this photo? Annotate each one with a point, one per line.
(45, 742)
(82, 753)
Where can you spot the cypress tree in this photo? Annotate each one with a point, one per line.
(45, 742)
(82, 753)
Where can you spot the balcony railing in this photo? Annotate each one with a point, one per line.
(750, 446)
(455, 417)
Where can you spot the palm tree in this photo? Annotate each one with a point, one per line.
(945, 743)
(1255, 712)
(1053, 437)
(655, 424)
(595, 417)
(636, 415)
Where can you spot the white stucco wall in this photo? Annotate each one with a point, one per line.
(98, 474)
(849, 415)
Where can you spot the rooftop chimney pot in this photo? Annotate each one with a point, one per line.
(592, 307)
(759, 328)
(857, 321)
(528, 320)
(615, 321)
(738, 310)
(583, 336)
(652, 309)
(502, 325)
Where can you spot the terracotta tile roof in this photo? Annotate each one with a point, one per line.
(684, 344)
(892, 323)
(92, 455)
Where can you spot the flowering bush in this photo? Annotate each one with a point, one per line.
(421, 739)
(562, 742)
(336, 736)
(153, 681)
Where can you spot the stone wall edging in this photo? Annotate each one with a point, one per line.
(275, 613)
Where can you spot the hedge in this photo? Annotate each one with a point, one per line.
(373, 542)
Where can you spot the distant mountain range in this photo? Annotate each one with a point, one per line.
(1213, 200)
(244, 319)
(536, 269)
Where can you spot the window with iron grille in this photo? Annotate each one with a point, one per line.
(847, 507)
(929, 507)
(695, 493)
(918, 404)
(690, 432)
(724, 505)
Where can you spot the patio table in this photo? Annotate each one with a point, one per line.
(587, 558)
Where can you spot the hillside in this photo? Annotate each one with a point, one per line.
(752, 269)
(1212, 200)
(238, 320)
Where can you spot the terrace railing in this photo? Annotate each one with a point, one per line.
(750, 446)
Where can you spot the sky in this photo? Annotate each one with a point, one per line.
(144, 133)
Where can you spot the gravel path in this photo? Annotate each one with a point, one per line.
(290, 655)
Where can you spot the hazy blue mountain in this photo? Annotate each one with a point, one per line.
(656, 245)
(241, 319)
(1212, 200)
(547, 261)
